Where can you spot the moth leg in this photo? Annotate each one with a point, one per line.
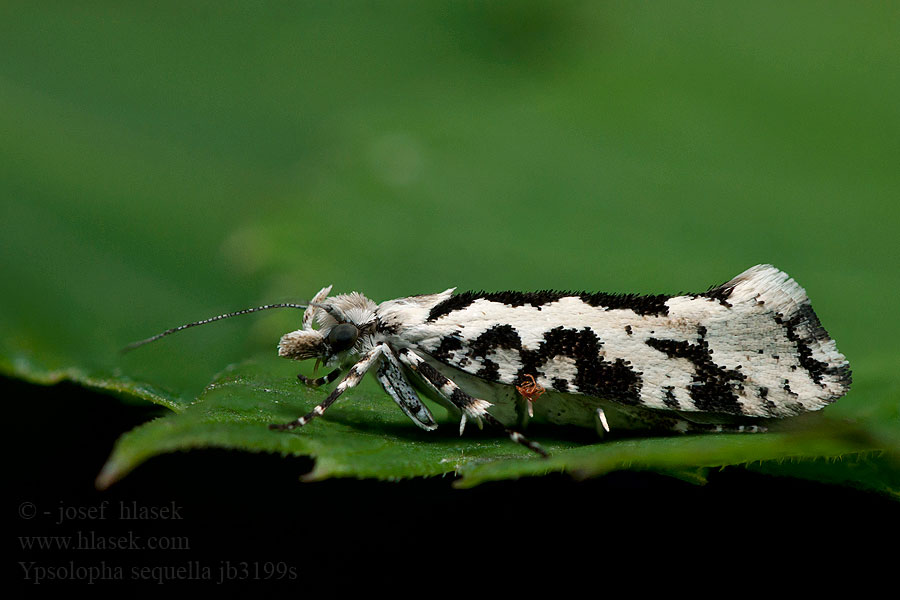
(390, 375)
(600, 421)
(689, 427)
(469, 407)
(682, 425)
(466, 403)
(674, 422)
(354, 376)
(319, 381)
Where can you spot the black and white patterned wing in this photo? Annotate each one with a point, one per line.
(752, 346)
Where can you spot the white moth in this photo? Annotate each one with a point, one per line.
(726, 359)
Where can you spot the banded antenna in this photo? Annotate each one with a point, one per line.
(137, 344)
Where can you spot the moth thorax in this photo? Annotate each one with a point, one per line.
(301, 345)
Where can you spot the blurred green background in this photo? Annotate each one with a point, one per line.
(168, 162)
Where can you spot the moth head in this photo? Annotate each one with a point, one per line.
(326, 344)
(342, 321)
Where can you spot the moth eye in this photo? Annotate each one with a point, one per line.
(342, 337)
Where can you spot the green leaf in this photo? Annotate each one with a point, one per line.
(366, 436)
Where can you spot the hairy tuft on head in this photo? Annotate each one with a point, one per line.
(302, 344)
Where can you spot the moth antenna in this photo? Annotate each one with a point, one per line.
(139, 343)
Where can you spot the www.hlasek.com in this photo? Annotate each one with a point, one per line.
(192, 570)
(89, 540)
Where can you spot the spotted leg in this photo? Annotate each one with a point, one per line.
(689, 427)
(390, 375)
(319, 381)
(354, 376)
(467, 405)
(674, 422)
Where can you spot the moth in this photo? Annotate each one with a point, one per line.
(727, 359)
